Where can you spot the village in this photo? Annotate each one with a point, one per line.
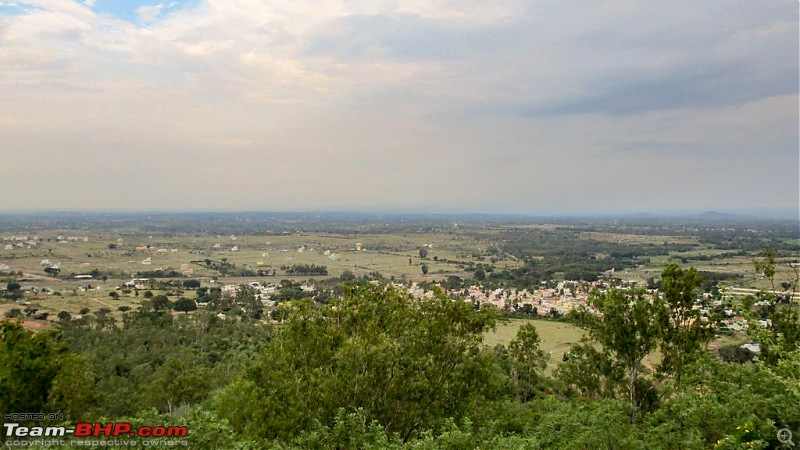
(545, 302)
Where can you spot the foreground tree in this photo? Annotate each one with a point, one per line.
(782, 333)
(26, 368)
(625, 324)
(407, 364)
(684, 331)
(527, 361)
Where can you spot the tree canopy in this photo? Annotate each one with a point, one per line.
(405, 363)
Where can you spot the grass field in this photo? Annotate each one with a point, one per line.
(121, 253)
(388, 254)
(556, 337)
(735, 265)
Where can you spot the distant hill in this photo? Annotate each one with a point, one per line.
(716, 215)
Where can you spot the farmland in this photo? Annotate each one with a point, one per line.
(70, 263)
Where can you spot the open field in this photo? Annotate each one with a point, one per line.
(625, 238)
(556, 337)
(234, 250)
(388, 254)
(733, 265)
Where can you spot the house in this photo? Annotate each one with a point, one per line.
(138, 283)
(230, 290)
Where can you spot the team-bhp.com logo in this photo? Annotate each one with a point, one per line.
(123, 434)
(85, 429)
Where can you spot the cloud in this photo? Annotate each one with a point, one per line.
(478, 106)
(149, 13)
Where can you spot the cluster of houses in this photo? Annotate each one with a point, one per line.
(562, 299)
(558, 300)
(263, 292)
(29, 242)
(73, 239)
(545, 301)
(26, 242)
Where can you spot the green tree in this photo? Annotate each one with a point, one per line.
(424, 269)
(185, 305)
(13, 290)
(160, 302)
(406, 363)
(72, 391)
(626, 327)
(178, 382)
(724, 405)
(783, 332)
(28, 365)
(591, 371)
(528, 361)
(684, 331)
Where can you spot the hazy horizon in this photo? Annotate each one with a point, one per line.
(764, 214)
(508, 107)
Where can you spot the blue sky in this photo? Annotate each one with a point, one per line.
(130, 10)
(127, 10)
(515, 106)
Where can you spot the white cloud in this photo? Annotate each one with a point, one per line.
(149, 13)
(505, 106)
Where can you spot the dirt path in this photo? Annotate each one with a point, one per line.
(104, 303)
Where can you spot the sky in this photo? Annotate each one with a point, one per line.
(494, 106)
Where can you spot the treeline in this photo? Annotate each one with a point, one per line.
(96, 367)
(159, 273)
(562, 253)
(305, 269)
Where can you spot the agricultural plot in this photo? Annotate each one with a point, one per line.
(69, 269)
(124, 257)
